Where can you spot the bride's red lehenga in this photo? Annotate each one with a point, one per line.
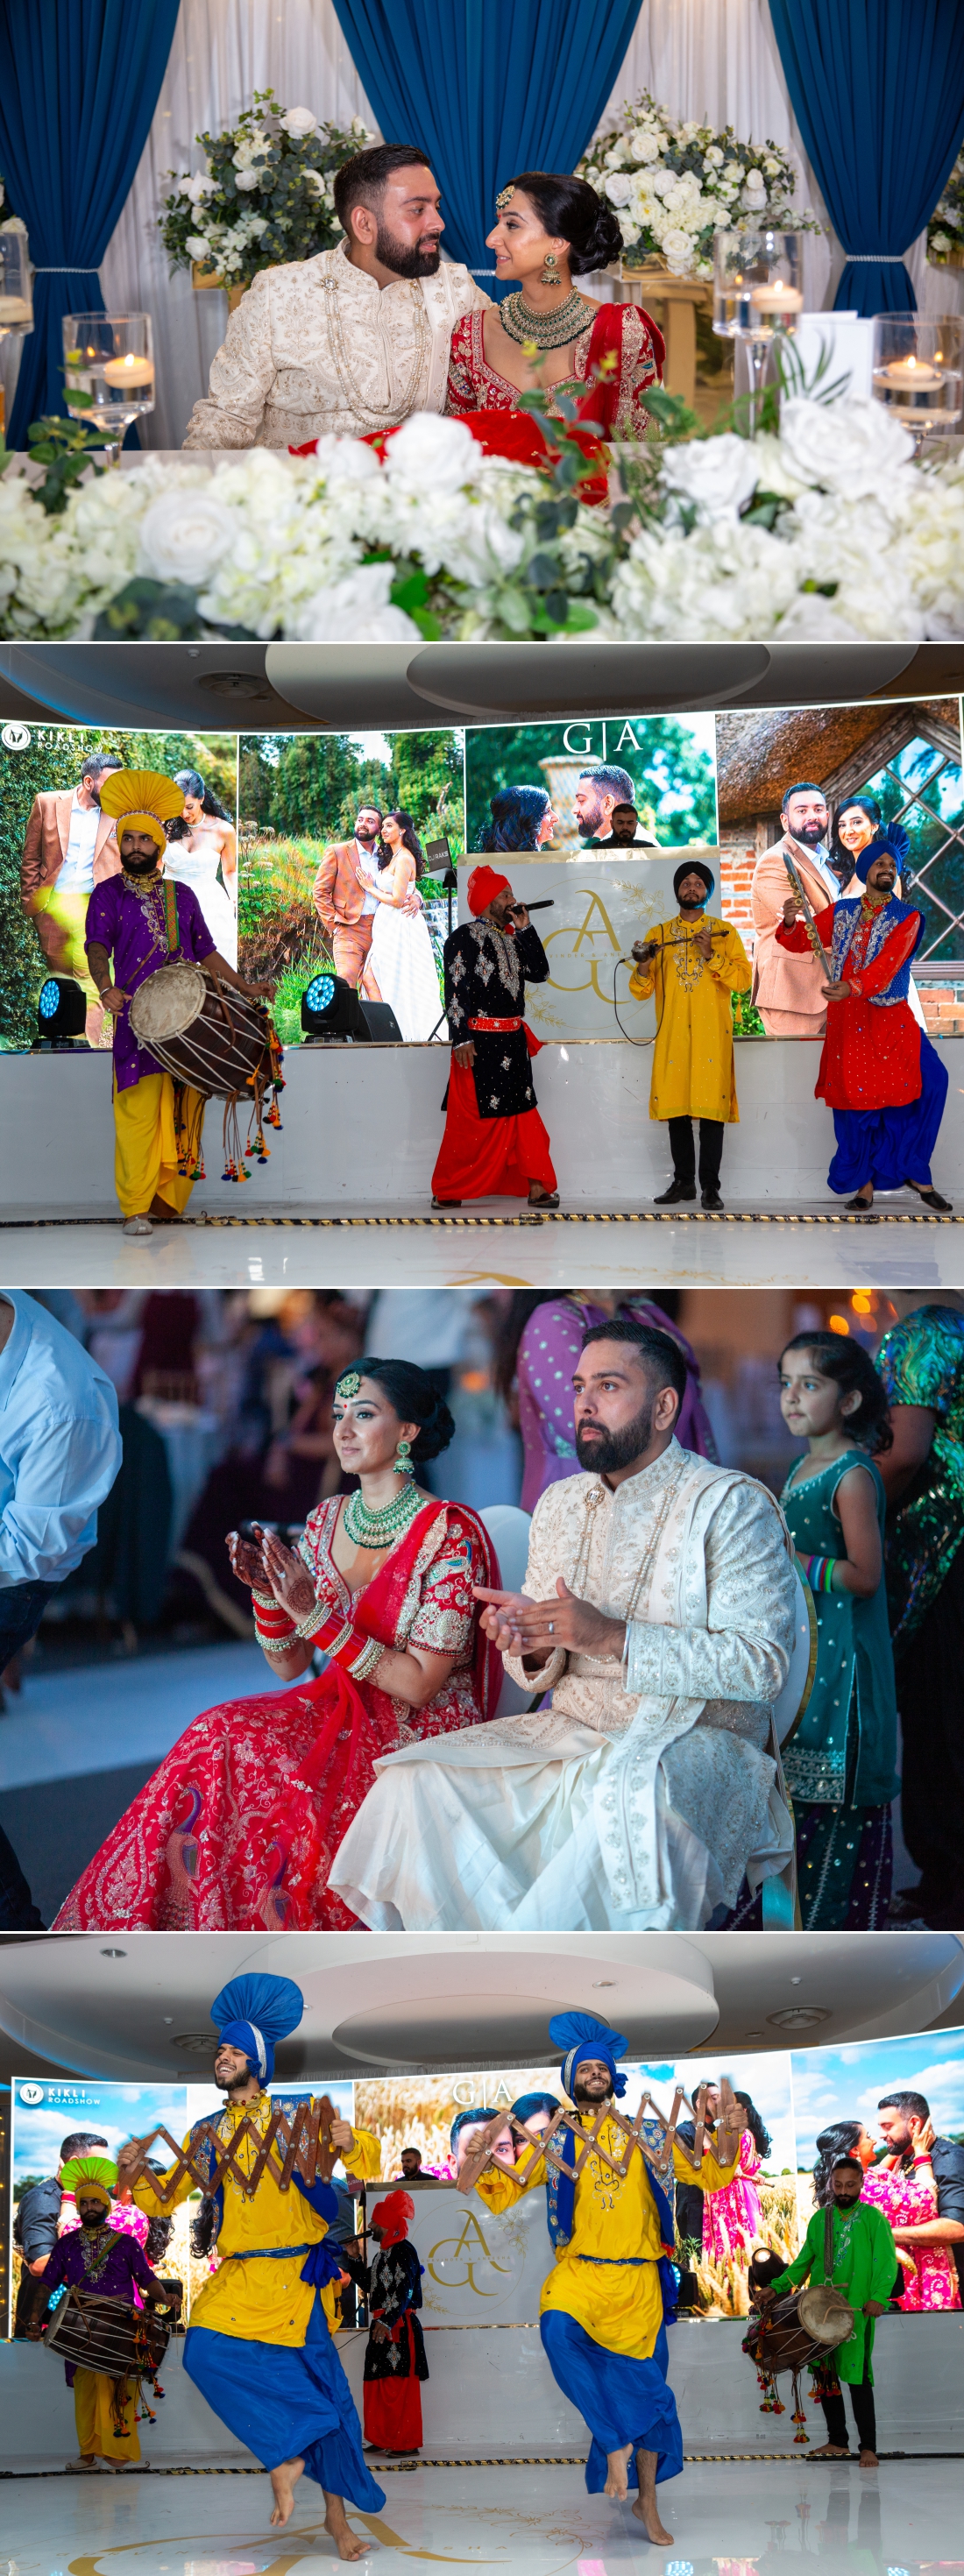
(617, 359)
(238, 1828)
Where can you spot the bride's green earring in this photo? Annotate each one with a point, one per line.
(403, 1462)
(550, 270)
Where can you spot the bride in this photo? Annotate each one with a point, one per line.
(237, 1827)
(401, 958)
(203, 853)
(552, 229)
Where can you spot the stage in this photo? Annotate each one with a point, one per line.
(536, 2520)
(348, 1187)
(491, 2394)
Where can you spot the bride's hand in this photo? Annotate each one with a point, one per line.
(288, 1576)
(245, 1555)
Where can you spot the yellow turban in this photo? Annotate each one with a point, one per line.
(141, 800)
(89, 2178)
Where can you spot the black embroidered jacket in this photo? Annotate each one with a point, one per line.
(486, 973)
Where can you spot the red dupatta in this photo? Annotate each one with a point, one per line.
(297, 1839)
(604, 362)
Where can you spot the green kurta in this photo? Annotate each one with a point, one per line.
(864, 2266)
(844, 1749)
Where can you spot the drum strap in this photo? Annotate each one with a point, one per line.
(828, 2242)
(170, 909)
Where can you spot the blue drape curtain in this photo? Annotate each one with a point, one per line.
(877, 89)
(488, 87)
(79, 82)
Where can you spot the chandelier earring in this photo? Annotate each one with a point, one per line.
(550, 270)
(403, 1460)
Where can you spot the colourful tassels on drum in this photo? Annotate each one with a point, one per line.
(799, 2415)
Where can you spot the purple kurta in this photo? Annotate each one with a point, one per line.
(125, 2264)
(132, 926)
(549, 1351)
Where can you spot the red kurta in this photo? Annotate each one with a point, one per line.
(871, 1058)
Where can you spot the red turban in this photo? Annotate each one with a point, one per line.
(392, 2216)
(483, 884)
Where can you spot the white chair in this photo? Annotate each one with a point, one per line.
(508, 1529)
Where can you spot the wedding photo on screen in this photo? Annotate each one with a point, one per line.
(897, 2104)
(596, 784)
(58, 843)
(345, 842)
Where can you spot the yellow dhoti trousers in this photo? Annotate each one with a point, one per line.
(145, 1144)
(97, 2437)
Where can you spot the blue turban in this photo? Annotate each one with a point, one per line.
(581, 2035)
(890, 844)
(529, 2103)
(253, 2013)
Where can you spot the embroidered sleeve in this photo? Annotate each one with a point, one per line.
(241, 379)
(444, 1618)
(897, 947)
(461, 394)
(548, 1353)
(101, 922)
(729, 963)
(456, 972)
(796, 938)
(539, 1583)
(743, 1652)
(638, 372)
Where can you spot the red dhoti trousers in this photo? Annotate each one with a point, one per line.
(482, 1158)
(392, 2413)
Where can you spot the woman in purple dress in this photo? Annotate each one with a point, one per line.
(538, 1349)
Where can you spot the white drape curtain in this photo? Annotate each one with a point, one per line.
(698, 57)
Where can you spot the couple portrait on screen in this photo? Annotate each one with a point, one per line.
(367, 899)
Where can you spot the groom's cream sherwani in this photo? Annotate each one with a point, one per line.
(318, 346)
(641, 1796)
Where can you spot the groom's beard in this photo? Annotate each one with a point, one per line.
(420, 260)
(600, 1450)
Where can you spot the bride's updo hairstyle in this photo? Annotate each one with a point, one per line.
(412, 1396)
(570, 207)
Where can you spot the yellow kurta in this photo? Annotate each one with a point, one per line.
(262, 2302)
(615, 2219)
(693, 1052)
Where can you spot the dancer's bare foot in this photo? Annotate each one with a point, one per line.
(617, 2481)
(869, 2460)
(336, 2525)
(284, 2480)
(644, 2508)
(829, 2451)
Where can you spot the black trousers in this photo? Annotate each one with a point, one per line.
(21, 1611)
(683, 1150)
(862, 2401)
(932, 1793)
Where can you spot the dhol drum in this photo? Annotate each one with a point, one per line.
(213, 1039)
(796, 2332)
(108, 2336)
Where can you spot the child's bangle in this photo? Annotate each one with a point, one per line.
(818, 1571)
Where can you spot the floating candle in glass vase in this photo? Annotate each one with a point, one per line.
(918, 370)
(756, 295)
(109, 371)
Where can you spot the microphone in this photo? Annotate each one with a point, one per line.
(545, 904)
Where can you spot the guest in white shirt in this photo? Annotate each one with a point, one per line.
(69, 847)
(60, 1450)
(354, 340)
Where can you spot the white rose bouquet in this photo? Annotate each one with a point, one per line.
(265, 195)
(945, 232)
(673, 185)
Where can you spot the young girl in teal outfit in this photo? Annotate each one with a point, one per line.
(839, 1763)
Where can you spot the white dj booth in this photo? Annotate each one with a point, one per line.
(362, 1124)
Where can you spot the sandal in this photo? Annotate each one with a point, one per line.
(861, 1207)
(551, 1200)
(931, 1198)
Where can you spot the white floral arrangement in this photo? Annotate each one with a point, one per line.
(673, 185)
(265, 194)
(945, 232)
(827, 530)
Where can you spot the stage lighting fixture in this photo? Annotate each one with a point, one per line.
(330, 1009)
(61, 1015)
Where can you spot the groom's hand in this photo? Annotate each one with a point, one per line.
(533, 1630)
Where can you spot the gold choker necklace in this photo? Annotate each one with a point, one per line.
(548, 330)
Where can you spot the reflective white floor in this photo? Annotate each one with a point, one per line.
(766, 1253)
(727, 2519)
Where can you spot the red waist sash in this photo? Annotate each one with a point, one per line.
(495, 1024)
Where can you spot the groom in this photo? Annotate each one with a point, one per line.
(354, 340)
